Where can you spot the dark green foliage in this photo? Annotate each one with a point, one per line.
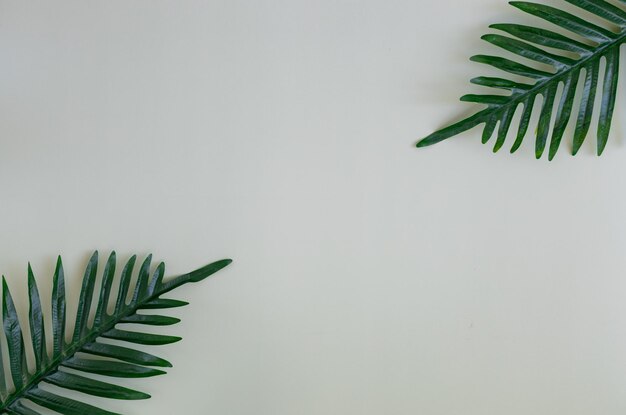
(571, 59)
(106, 359)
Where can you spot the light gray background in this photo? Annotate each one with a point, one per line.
(369, 277)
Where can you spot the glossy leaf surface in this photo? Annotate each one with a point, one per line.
(20, 390)
(567, 62)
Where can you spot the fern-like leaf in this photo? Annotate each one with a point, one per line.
(571, 62)
(110, 360)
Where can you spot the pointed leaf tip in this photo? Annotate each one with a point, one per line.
(208, 270)
(195, 276)
(424, 142)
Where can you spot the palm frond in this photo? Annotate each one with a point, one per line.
(22, 389)
(572, 60)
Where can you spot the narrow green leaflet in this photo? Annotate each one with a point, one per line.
(21, 392)
(568, 62)
(36, 322)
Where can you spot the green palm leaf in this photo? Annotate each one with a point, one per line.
(22, 390)
(572, 61)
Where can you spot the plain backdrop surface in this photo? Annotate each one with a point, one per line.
(370, 277)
